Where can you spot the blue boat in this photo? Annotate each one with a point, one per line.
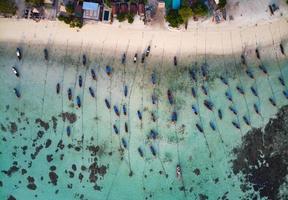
(140, 151)
(250, 74)
(46, 54)
(170, 97)
(124, 109)
(153, 78)
(257, 53)
(236, 124)
(91, 92)
(243, 59)
(240, 90)
(233, 110)
(153, 116)
(116, 131)
(17, 93)
(204, 71)
(154, 98)
(208, 104)
(224, 80)
(69, 94)
(153, 150)
(254, 91)
(68, 130)
(256, 108)
(192, 73)
(220, 114)
(264, 70)
(80, 81)
(78, 100)
(280, 78)
(125, 90)
(58, 88)
(84, 59)
(246, 120)
(228, 95)
(153, 134)
(212, 125)
(194, 94)
(204, 90)
(285, 93)
(93, 74)
(116, 110)
(124, 142)
(126, 127)
(272, 101)
(174, 117)
(107, 104)
(199, 127)
(108, 70)
(139, 114)
(194, 109)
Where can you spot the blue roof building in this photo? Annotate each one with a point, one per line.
(176, 4)
(91, 10)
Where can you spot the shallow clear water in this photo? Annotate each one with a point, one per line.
(118, 172)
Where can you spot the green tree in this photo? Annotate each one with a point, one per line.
(185, 13)
(121, 17)
(8, 7)
(200, 9)
(69, 8)
(35, 2)
(222, 3)
(130, 18)
(174, 19)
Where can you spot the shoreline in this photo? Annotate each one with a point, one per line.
(200, 40)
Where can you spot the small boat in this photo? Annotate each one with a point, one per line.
(15, 71)
(69, 94)
(143, 58)
(124, 109)
(243, 59)
(282, 49)
(233, 110)
(204, 90)
(108, 70)
(285, 93)
(124, 142)
(170, 97)
(58, 88)
(116, 131)
(254, 91)
(240, 90)
(194, 94)
(68, 130)
(148, 51)
(123, 59)
(135, 58)
(153, 78)
(153, 134)
(194, 109)
(139, 114)
(178, 171)
(272, 101)
(125, 90)
(246, 120)
(84, 59)
(250, 74)
(208, 104)
(199, 127)
(154, 98)
(78, 100)
(91, 92)
(204, 71)
(140, 151)
(281, 80)
(46, 56)
(212, 125)
(17, 93)
(19, 53)
(126, 127)
(228, 95)
(174, 117)
(236, 124)
(80, 81)
(192, 73)
(175, 61)
(93, 74)
(264, 70)
(257, 53)
(220, 114)
(256, 108)
(107, 104)
(116, 110)
(224, 80)
(153, 150)
(153, 116)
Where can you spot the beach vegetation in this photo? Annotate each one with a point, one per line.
(107, 3)
(222, 3)
(69, 8)
(199, 9)
(185, 12)
(35, 2)
(123, 16)
(174, 19)
(130, 18)
(71, 20)
(8, 7)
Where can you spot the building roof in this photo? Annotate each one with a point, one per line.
(141, 8)
(90, 6)
(133, 8)
(123, 8)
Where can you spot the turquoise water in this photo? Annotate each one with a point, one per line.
(93, 162)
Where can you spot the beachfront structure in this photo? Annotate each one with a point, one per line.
(106, 15)
(91, 10)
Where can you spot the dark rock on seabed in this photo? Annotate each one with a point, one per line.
(42, 123)
(263, 157)
(71, 117)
